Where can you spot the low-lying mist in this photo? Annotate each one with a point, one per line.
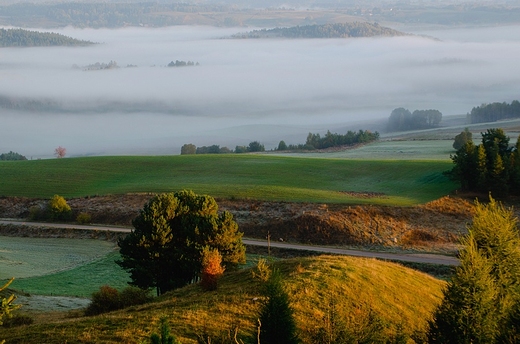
(242, 90)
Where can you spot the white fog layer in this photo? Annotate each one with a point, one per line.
(243, 90)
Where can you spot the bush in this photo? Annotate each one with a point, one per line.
(83, 218)
(58, 209)
(36, 213)
(212, 268)
(17, 320)
(109, 299)
(132, 296)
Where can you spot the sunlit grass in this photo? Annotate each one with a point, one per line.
(399, 296)
(261, 177)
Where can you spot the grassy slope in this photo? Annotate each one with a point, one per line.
(261, 177)
(396, 294)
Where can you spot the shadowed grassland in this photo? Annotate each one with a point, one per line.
(397, 296)
(260, 177)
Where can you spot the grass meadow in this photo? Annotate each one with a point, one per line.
(399, 297)
(248, 176)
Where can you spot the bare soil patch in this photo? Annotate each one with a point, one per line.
(435, 226)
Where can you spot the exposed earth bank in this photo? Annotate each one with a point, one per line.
(435, 226)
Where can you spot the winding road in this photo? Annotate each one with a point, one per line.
(412, 257)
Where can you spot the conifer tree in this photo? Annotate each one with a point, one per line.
(481, 302)
(276, 316)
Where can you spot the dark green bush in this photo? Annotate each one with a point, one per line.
(83, 218)
(109, 299)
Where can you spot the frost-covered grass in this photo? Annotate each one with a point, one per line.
(59, 266)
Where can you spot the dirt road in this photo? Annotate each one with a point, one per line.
(416, 258)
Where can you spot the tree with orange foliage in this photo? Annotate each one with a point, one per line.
(212, 268)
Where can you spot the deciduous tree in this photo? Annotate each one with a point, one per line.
(60, 152)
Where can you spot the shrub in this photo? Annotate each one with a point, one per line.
(58, 209)
(36, 213)
(132, 296)
(105, 300)
(164, 337)
(109, 299)
(212, 268)
(17, 320)
(262, 271)
(83, 218)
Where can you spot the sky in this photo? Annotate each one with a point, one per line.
(243, 90)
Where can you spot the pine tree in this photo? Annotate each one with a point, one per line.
(481, 302)
(276, 316)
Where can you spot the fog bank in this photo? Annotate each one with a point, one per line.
(243, 90)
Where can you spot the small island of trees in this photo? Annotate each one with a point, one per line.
(336, 30)
(27, 38)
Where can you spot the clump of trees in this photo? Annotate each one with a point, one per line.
(462, 138)
(101, 66)
(494, 112)
(402, 119)
(171, 232)
(12, 156)
(190, 148)
(482, 301)
(491, 166)
(315, 141)
(178, 63)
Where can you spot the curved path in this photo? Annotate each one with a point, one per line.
(414, 257)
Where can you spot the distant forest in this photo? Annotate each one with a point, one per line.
(494, 112)
(402, 119)
(97, 14)
(313, 142)
(27, 38)
(252, 13)
(345, 30)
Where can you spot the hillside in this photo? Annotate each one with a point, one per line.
(342, 30)
(27, 38)
(361, 293)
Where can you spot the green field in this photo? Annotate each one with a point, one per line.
(262, 177)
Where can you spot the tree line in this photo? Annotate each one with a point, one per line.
(494, 112)
(402, 119)
(178, 63)
(27, 38)
(316, 141)
(313, 142)
(492, 166)
(103, 14)
(336, 30)
(190, 148)
(12, 156)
